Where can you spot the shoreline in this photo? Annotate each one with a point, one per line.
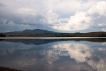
(49, 37)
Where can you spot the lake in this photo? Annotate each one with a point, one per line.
(54, 54)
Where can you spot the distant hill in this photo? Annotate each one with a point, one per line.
(46, 33)
(38, 31)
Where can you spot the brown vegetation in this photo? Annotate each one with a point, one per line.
(2, 35)
(8, 69)
(91, 34)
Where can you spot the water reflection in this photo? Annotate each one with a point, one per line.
(55, 56)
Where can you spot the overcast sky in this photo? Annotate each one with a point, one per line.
(54, 15)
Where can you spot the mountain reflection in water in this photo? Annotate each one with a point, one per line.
(57, 55)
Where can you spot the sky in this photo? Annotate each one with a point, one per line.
(54, 15)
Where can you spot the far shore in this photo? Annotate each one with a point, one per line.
(49, 37)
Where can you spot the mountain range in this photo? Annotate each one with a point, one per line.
(46, 33)
(38, 31)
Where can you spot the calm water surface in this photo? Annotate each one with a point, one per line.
(53, 55)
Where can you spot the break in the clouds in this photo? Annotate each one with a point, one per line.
(56, 15)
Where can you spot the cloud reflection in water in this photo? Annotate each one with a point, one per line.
(63, 55)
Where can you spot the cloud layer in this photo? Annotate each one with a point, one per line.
(95, 16)
(57, 15)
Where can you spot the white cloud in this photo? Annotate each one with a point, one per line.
(26, 11)
(102, 24)
(104, 43)
(75, 51)
(84, 20)
(98, 9)
(104, 30)
(101, 49)
(80, 53)
(52, 18)
(70, 6)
